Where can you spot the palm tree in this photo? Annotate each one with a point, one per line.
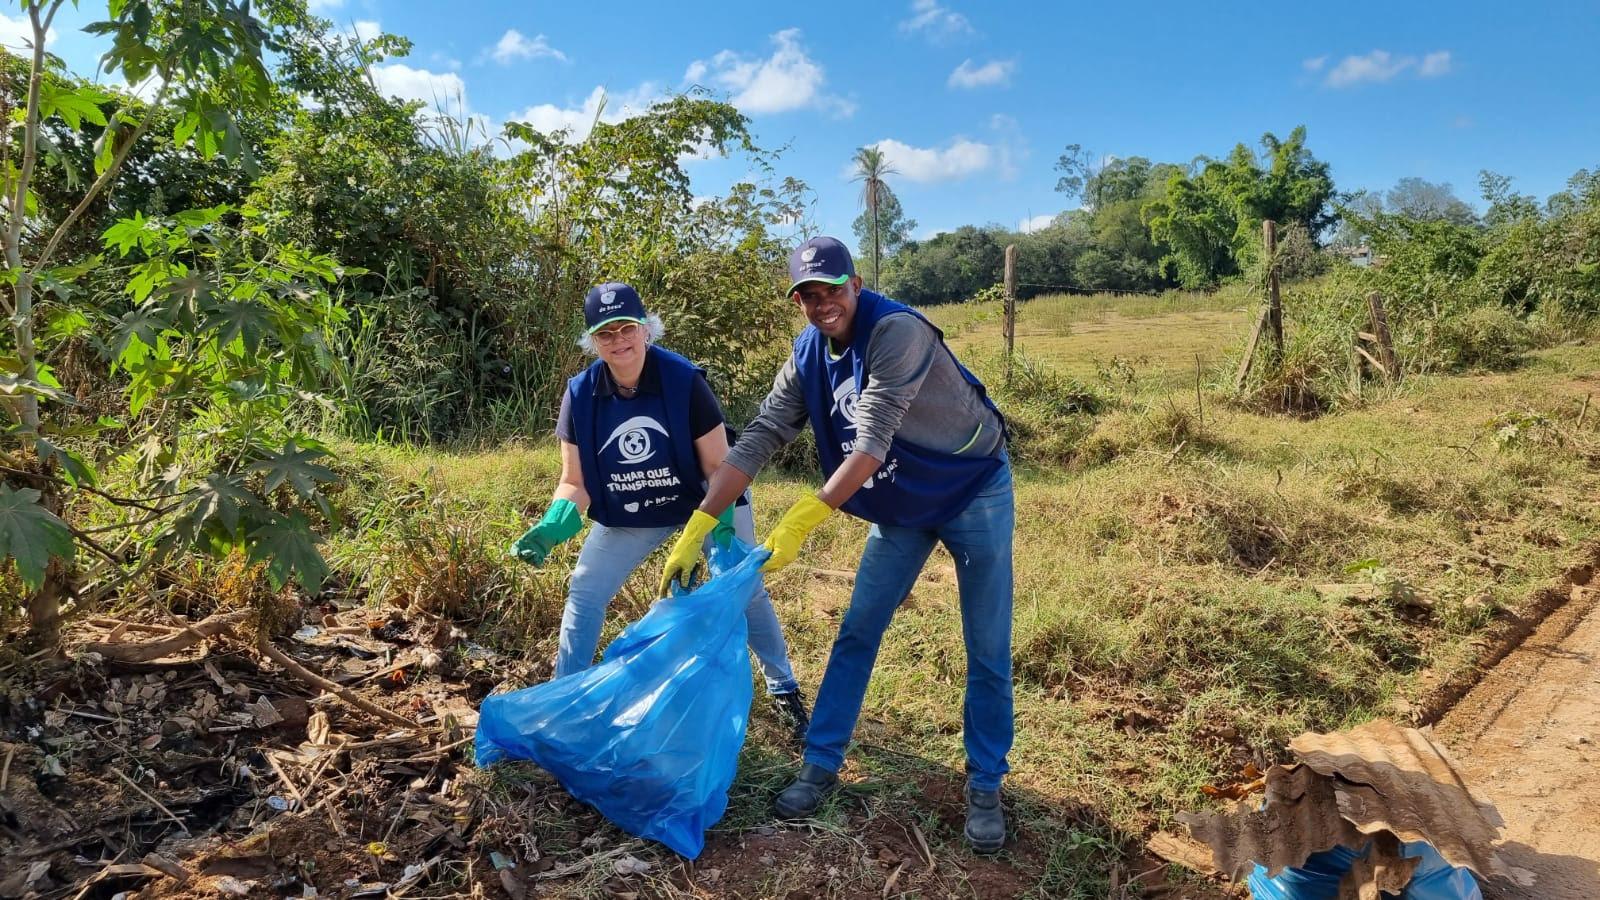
(870, 169)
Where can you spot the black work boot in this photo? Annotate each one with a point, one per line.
(803, 795)
(986, 820)
(790, 709)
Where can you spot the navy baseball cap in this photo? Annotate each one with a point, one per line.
(820, 259)
(611, 302)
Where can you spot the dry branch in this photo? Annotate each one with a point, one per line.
(210, 626)
(309, 677)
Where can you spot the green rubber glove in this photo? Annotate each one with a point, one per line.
(685, 556)
(560, 523)
(723, 534)
(785, 540)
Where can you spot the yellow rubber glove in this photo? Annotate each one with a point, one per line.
(685, 555)
(786, 538)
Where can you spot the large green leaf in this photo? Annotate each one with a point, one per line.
(30, 534)
(289, 548)
(295, 466)
(127, 234)
(222, 499)
(72, 104)
(78, 471)
(247, 320)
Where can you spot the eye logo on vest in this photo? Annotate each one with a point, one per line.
(844, 401)
(633, 439)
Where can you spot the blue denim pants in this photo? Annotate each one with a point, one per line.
(610, 555)
(979, 539)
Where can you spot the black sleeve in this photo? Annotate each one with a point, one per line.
(564, 419)
(705, 413)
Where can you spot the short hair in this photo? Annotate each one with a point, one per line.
(653, 330)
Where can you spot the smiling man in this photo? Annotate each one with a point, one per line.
(909, 441)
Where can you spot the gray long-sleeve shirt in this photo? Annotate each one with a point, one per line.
(912, 389)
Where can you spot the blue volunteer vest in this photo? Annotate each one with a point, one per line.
(639, 464)
(915, 487)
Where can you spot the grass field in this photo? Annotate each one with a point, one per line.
(1119, 342)
(1194, 587)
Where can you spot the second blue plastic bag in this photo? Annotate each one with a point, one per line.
(1318, 879)
(651, 736)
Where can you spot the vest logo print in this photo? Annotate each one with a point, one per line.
(633, 439)
(844, 401)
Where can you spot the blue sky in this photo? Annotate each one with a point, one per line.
(972, 102)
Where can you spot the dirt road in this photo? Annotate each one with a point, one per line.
(1528, 739)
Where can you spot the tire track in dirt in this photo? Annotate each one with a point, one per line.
(1527, 738)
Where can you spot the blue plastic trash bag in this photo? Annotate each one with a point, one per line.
(1318, 878)
(651, 736)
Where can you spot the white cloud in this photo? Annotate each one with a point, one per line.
(1381, 65)
(441, 89)
(514, 45)
(1315, 63)
(319, 7)
(934, 20)
(787, 80)
(960, 159)
(1037, 223)
(598, 106)
(1434, 64)
(993, 72)
(16, 34)
(365, 30)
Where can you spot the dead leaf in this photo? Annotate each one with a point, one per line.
(263, 712)
(632, 865)
(513, 885)
(216, 676)
(318, 728)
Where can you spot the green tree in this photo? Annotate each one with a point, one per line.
(1078, 170)
(217, 336)
(1506, 207)
(1212, 221)
(1418, 198)
(892, 230)
(870, 169)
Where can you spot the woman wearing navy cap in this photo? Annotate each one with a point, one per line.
(640, 433)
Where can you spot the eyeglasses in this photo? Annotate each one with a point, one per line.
(813, 297)
(624, 332)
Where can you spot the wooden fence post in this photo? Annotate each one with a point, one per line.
(1011, 306)
(1249, 358)
(1269, 240)
(1379, 320)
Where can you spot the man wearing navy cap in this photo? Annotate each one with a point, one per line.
(909, 441)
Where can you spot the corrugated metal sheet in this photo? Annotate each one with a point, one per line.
(1379, 783)
(1298, 817)
(1399, 781)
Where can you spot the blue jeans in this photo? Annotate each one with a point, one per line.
(979, 539)
(610, 555)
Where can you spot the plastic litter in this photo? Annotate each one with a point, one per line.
(651, 736)
(1318, 879)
